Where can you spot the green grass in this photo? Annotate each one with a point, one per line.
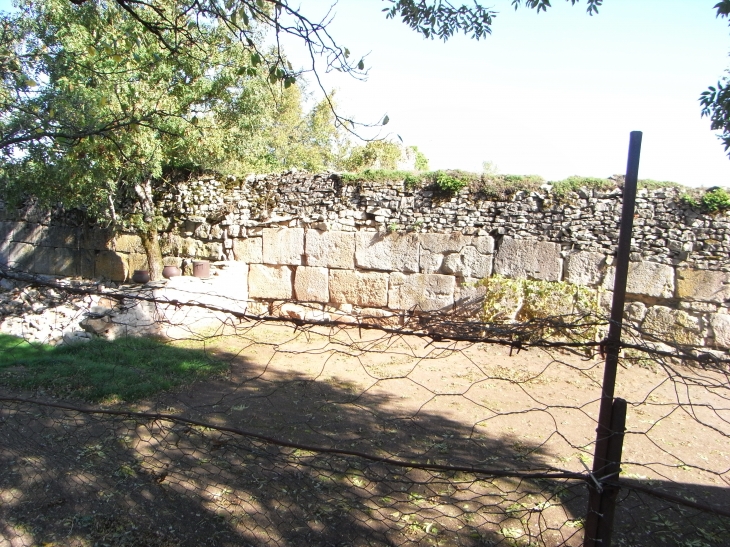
(126, 369)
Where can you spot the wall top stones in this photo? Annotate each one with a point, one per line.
(665, 229)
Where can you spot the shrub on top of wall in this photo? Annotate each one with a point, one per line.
(714, 200)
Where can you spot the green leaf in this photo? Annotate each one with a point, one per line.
(361, 65)
(386, 120)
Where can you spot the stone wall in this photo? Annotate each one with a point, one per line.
(385, 247)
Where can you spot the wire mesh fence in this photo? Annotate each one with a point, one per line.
(435, 429)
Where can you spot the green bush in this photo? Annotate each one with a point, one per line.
(448, 183)
(714, 200)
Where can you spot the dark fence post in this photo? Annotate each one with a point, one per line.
(597, 504)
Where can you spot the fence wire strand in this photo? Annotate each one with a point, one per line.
(423, 429)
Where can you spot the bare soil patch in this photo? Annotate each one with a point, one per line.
(77, 479)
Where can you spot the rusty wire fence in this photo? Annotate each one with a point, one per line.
(434, 429)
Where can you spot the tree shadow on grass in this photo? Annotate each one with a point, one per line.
(125, 369)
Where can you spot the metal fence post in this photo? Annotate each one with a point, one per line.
(597, 505)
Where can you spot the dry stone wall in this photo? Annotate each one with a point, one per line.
(385, 248)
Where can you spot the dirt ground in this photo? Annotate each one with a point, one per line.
(70, 478)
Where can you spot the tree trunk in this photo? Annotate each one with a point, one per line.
(151, 242)
(149, 235)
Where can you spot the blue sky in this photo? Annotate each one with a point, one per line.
(553, 94)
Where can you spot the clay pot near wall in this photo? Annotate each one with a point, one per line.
(170, 271)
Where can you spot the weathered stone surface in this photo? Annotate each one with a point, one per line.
(468, 263)
(311, 284)
(137, 261)
(128, 243)
(585, 268)
(382, 318)
(645, 278)
(171, 244)
(213, 250)
(468, 294)
(17, 255)
(444, 243)
(634, 313)
(529, 258)
(86, 263)
(283, 246)
(330, 249)
(430, 262)
(270, 282)
(66, 262)
(720, 325)
(425, 292)
(302, 312)
(59, 236)
(44, 259)
(704, 285)
(670, 326)
(483, 244)
(192, 248)
(6, 231)
(95, 239)
(249, 250)
(359, 288)
(388, 252)
(29, 232)
(111, 265)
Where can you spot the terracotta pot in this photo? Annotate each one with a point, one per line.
(201, 268)
(170, 271)
(141, 276)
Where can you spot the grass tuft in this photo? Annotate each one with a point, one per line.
(125, 369)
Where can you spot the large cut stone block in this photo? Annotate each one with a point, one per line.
(95, 239)
(703, 285)
(17, 255)
(646, 278)
(171, 244)
(28, 232)
(529, 258)
(388, 252)
(672, 327)
(468, 263)
(444, 243)
(585, 268)
(7, 229)
(367, 289)
(60, 236)
(330, 249)
(311, 284)
(720, 324)
(283, 246)
(67, 262)
(249, 250)
(50, 261)
(483, 244)
(137, 261)
(111, 265)
(44, 259)
(424, 292)
(128, 243)
(270, 282)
